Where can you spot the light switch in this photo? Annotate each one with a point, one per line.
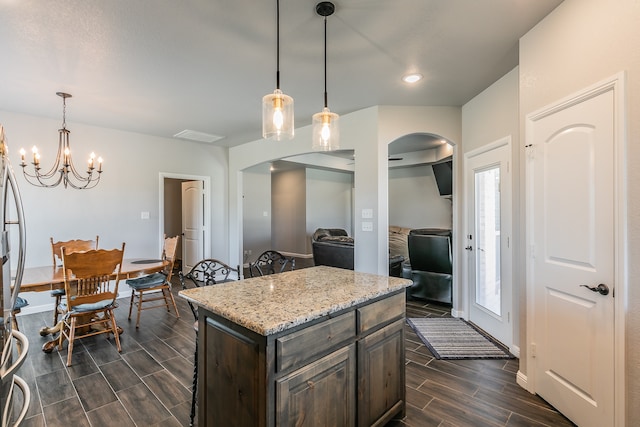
(367, 213)
(367, 226)
(144, 215)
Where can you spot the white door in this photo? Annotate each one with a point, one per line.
(571, 236)
(192, 224)
(488, 182)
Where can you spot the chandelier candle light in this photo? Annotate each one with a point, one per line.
(325, 131)
(63, 170)
(277, 108)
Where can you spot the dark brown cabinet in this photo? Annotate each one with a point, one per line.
(345, 369)
(321, 393)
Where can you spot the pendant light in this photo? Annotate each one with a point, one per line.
(325, 131)
(277, 108)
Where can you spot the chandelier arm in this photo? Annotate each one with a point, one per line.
(37, 180)
(71, 167)
(88, 183)
(56, 165)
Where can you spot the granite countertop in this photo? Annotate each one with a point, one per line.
(274, 303)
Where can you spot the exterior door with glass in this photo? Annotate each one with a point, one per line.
(488, 182)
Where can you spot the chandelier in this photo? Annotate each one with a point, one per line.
(63, 171)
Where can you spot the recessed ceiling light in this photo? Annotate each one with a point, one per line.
(412, 78)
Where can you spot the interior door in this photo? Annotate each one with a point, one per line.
(488, 181)
(192, 224)
(572, 248)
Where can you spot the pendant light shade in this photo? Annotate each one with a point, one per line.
(277, 108)
(325, 124)
(326, 131)
(277, 116)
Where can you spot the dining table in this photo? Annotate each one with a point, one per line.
(48, 278)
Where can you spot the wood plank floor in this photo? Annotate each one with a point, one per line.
(148, 384)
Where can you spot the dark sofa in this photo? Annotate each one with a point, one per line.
(332, 247)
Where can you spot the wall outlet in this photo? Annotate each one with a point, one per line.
(144, 215)
(367, 226)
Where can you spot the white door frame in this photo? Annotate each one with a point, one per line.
(616, 84)
(513, 308)
(207, 206)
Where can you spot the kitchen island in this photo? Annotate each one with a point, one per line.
(319, 346)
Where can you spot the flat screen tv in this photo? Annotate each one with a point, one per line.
(443, 173)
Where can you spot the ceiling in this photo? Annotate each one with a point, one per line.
(159, 67)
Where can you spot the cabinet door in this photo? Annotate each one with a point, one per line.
(230, 385)
(381, 382)
(319, 394)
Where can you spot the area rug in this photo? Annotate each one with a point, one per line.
(451, 338)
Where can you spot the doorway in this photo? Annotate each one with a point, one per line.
(172, 208)
(488, 239)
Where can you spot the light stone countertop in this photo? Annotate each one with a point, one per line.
(274, 303)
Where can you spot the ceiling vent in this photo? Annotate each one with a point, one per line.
(193, 135)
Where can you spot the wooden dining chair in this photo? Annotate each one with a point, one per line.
(157, 286)
(90, 297)
(271, 262)
(206, 272)
(56, 254)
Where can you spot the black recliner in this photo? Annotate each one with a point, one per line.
(430, 266)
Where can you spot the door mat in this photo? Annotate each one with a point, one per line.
(452, 338)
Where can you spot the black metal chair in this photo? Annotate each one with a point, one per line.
(270, 262)
(205, 273)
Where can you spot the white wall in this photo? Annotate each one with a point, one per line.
(491, 116)
(414, 200)
(129, 186)
(257, 200)
(289, 211)
(579, 44)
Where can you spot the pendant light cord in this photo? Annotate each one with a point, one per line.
(325, 62)
(277, 44)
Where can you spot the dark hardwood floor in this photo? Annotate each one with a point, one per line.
(149, 383)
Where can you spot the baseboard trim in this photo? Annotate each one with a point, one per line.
(515, 350)
(296, 255)
(457, 313)
(521, 380)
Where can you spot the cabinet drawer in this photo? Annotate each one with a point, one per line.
(297, 348)
(381, 312)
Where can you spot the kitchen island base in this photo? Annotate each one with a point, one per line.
(342, 369)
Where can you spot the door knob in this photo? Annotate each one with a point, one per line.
(469, 248)
(602, 289)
